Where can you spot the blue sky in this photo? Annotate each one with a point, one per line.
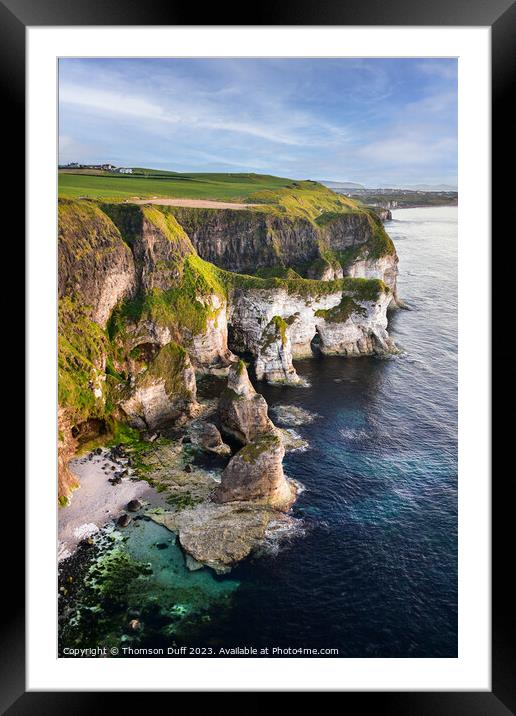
(373, 121)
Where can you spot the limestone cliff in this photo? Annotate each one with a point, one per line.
(140, 310)
(323, 246)
(163, 394)
(94, 265)
(276, 325)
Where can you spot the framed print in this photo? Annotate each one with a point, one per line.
(258, 290)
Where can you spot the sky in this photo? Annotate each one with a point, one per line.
(378, 122)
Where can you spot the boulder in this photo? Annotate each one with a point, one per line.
(134, 505)
(207, 436)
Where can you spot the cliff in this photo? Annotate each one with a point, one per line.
(322, 246)
(278, 323)
(141, 310)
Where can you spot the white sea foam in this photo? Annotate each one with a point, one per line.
(293, 415)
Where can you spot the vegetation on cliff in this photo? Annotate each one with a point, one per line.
(83, 348)
(185, 306)
(263, 443)
(169, 364)
(378, 245)
(169, 287)
(364, 289)
(342, 312)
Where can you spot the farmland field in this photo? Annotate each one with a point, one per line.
(222, 187)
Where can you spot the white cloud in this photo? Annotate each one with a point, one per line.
(443, 70)
(406, 151)
(124, 104)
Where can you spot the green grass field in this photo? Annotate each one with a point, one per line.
(147, 183)
(302, 199)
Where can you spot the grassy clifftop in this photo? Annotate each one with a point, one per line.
(307, 199)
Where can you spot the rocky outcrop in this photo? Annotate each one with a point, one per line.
(175, 302)
(276, 325)
(355, 328)
(163, 394)
(255, 474)
(384, 268)
(274, 356)
(159, 250)
(207, 436)
(209, 349)
(95, 266)
(221, 535)
(383, 213)
(66, 446)
(243, 411)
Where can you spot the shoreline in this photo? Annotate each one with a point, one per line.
(424, 206)
(97, 502)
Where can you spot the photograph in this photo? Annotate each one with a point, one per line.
(257, 350)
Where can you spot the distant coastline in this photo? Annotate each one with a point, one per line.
(402, 198)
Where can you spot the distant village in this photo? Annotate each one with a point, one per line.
(103, 167)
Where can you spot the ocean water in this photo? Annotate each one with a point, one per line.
(372, 569)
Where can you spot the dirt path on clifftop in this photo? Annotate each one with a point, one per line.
(193, 203)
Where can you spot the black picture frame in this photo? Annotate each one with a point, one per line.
(500, 15)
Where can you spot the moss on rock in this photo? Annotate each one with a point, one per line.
(341, 313)
(262, 444)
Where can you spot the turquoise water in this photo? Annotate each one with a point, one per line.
(138, 573)
(372, 570)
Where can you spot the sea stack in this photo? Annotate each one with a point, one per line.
(243, 411)
(255, 473)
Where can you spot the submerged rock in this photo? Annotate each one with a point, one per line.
(255, 474)
(243, 411)
(192, 564)
(293, 415)
(292, 440)
(124, 520)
